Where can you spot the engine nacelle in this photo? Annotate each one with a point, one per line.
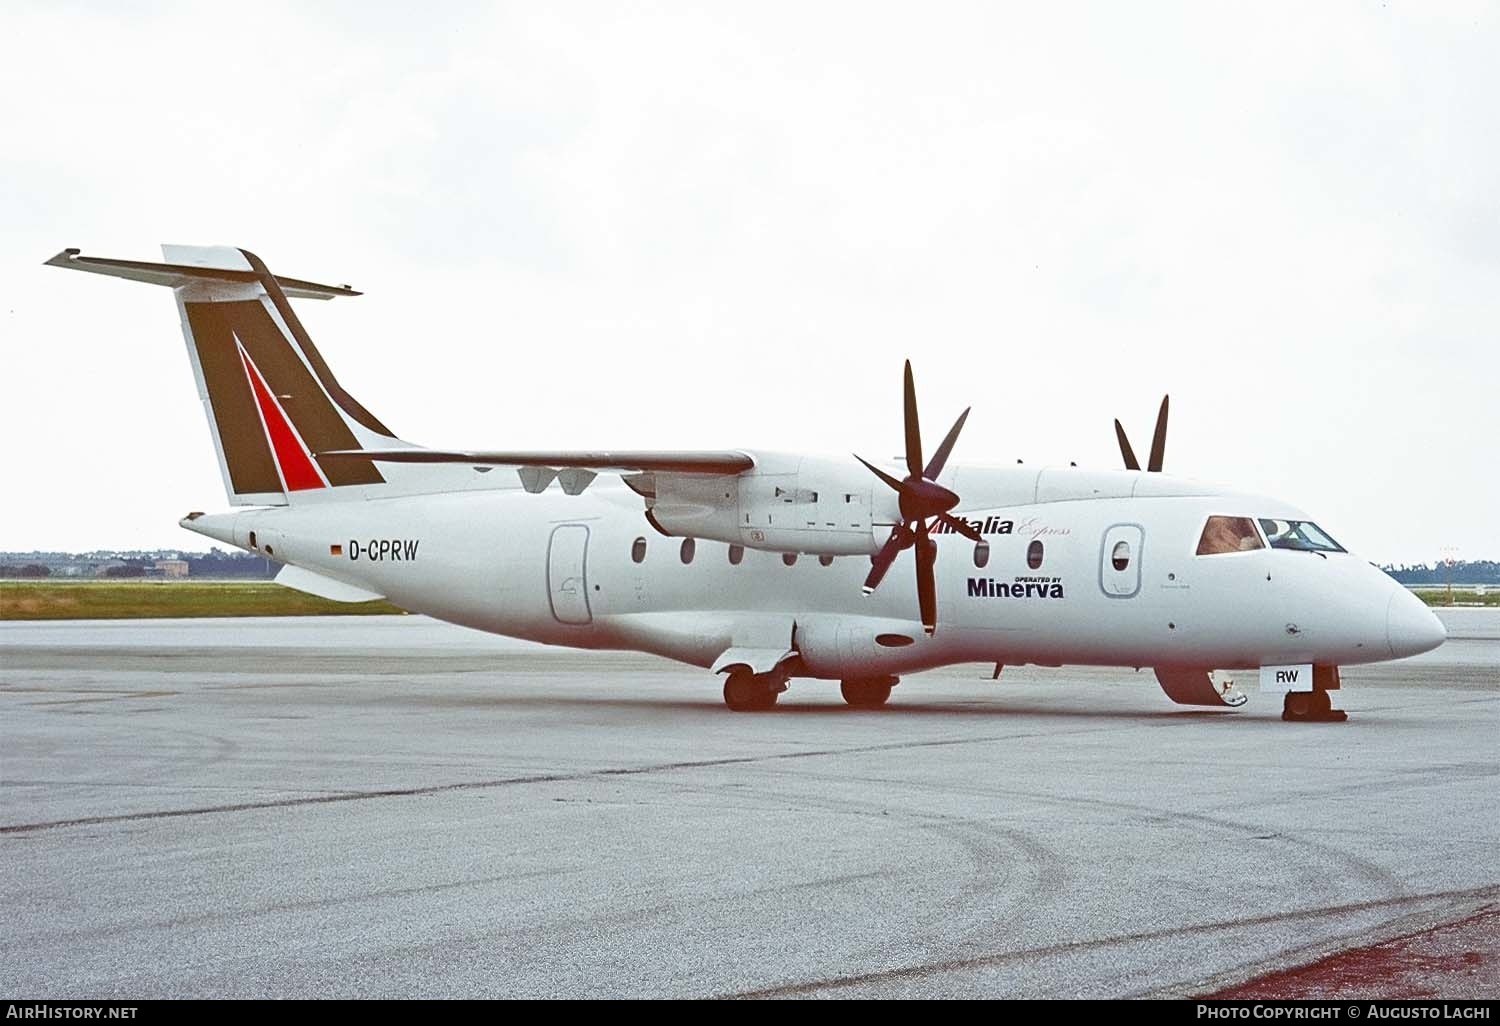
(840, 648)
(785, 503)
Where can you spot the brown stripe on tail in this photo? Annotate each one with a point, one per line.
(247, 452)
(346, 402)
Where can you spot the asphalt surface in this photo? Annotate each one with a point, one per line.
(388, 806)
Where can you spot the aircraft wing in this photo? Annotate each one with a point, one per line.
(666, 461)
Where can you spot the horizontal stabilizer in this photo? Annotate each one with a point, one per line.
(300, 579)
(663, 461)
(175, 275)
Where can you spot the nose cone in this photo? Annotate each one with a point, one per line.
(1410, 627)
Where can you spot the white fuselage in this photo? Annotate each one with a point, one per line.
(756, 564)
(561, 569)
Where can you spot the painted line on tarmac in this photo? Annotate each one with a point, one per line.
(1069, 947)
(482, 785)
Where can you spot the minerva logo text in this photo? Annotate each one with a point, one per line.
(1020, 588)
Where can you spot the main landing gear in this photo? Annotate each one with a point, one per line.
(868, 694)
(1314, 706)
(749, 692)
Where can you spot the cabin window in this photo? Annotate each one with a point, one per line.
(1228, 534)
(789, 558)
(826, 560)
(1298, 534)
(982, 555)
(252, 539)
(1120, 557)
(638, 550)
(688, 548)
(1034, 553)
(736, 553)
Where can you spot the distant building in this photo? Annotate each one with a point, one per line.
(171, 567)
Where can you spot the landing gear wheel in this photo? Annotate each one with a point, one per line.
(745, 692)
(1323, 710)
(1310, 707)
(866, 694)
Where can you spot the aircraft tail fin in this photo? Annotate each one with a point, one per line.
(272, 402)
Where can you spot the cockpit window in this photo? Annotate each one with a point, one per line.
(1228, 534)
(1298, 534)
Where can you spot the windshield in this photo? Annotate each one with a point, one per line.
(1228, 534)
(1298, 534)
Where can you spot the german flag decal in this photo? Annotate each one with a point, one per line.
(298, 472)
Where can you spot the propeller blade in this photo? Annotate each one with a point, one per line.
(939, 458)
(922, 497)
(1159, 440)
(900, 538)
(926, 578)
(1131, 463)
(961, 526)
(913, 428)
(888, 479)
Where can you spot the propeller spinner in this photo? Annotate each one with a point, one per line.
(1158, 442)
(921, 499)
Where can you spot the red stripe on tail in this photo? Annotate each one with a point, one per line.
(297, 469)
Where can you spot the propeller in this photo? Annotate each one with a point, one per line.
(1158, 442)
(921, 499)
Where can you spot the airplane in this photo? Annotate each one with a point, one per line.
(762, 566)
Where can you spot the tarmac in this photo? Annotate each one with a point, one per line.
(395, 807)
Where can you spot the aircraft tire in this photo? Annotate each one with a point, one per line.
(743, 692)
(1299, 706)
(865, 694)
(1311, 707)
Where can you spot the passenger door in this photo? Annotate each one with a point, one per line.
(1120, 560)
(567, 573)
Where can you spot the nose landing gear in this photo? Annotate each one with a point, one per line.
(1314, 706)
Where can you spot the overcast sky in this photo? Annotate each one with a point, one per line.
(709, 225)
